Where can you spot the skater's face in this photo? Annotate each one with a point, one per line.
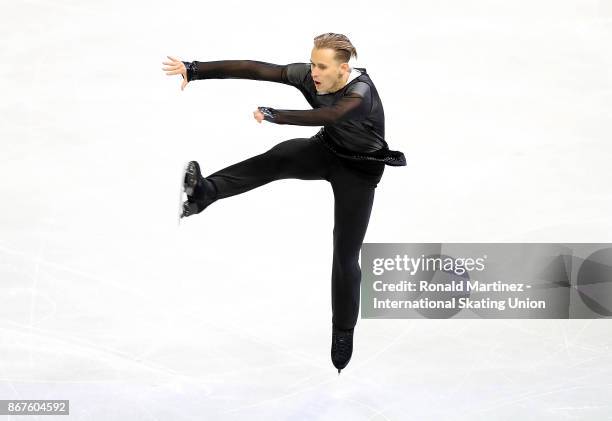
(329, 75)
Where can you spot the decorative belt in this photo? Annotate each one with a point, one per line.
(385, 155)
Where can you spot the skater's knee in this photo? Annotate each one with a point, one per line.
(283, 148)
(346, 256)
(282, 155)
(346, 245)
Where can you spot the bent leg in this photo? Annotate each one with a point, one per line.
(299, 158)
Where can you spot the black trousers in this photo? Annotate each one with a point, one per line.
(353, 183)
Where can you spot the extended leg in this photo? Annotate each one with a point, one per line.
(299, 158)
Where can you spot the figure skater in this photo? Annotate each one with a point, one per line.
(349, 151)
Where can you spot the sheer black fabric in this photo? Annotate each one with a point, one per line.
(352, 117)
(235, 69)
(354, 104)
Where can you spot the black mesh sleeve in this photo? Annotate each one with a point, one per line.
(290, 74)
(356, 103)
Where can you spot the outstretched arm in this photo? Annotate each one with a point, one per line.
(234, 69)
(353, 105)
(290, 74)
(294, 74)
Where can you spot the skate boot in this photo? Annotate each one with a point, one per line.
(192, 187)
(342, 347)
(191, 179)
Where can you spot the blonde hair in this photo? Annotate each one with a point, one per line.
(338, 42)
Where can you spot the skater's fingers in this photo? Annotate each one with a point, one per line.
(172, 69)
(174, 72)
(172, 58)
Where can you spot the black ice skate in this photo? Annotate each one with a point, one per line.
(342, 347)
(191, 186)
(191, 178)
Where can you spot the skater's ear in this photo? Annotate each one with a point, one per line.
(344, 67)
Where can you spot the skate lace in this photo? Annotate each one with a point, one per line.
(342, 343)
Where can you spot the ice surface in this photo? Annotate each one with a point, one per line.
(502, 109)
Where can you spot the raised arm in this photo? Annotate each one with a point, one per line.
(290, 74)
(356, 103)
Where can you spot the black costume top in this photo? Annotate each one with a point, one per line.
(353, 118)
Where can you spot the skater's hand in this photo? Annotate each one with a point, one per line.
(258, 115)
(176, 67)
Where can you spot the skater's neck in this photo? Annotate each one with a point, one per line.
(352, 74)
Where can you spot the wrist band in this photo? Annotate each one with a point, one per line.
(269, 113)
(189, 67)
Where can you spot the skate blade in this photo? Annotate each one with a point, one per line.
(182, 194)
